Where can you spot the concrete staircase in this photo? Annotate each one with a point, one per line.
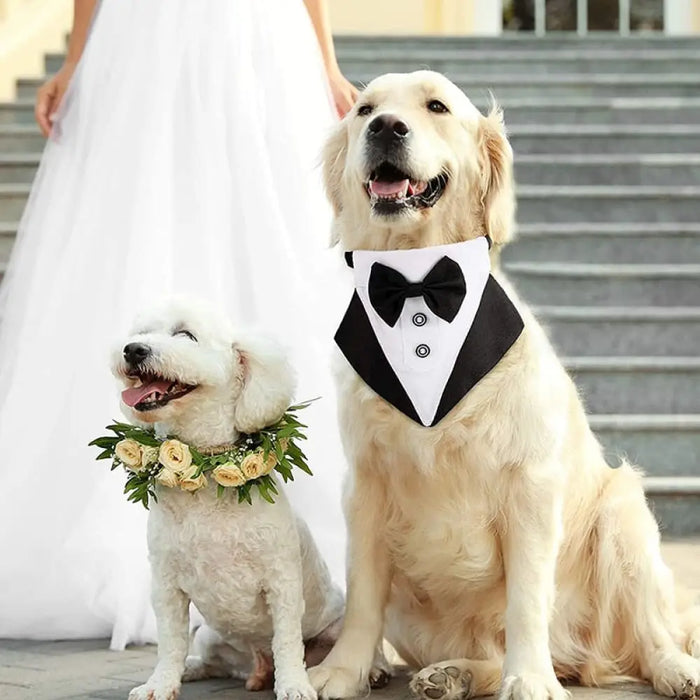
(606, 133)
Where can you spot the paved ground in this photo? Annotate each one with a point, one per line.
(86, 670)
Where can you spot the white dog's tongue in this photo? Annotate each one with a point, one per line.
(137, 394)
(388, 189)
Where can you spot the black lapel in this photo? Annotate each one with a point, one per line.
(497, 325)
(357, 341)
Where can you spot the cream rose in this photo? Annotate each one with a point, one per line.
(167, 477)
(175, 455)
(255, 465)
(149, 455)
(129, 453)
(193, 484)
(228, 475)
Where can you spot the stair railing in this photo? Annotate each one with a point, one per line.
(582, 17)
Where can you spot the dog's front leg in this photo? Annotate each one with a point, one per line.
(531, 536)
(171, 607)
(285, 599)
(344, 673)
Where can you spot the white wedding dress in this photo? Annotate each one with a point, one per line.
(185, 161)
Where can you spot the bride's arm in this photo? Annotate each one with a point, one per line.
(344, 92)
(49, 95)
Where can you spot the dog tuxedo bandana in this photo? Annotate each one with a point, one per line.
(425, 325)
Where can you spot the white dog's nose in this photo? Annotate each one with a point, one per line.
(136, 353)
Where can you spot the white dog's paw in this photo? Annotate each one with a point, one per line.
(335, 682)
(380, 674)
(300, 690)
(441, 682)
(694, 643)
(532, 686)
(155, 691)
(677, 676)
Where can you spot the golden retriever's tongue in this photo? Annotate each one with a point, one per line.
(137, 394)
(389, 189)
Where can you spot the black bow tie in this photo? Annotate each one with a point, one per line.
(443, 290)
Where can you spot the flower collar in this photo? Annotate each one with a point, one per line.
(249, 462)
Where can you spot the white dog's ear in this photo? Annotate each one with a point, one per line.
(268, 384)
(334, 155)
(496, 166)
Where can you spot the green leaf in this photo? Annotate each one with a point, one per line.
(104, 442)
(220, 490)
(263, 490)
(105, 454)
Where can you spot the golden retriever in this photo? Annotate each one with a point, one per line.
(496, 549)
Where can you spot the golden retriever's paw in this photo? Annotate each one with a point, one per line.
(533, 686)
(301, 690)
(677, 676)
(442, 682)
(335, 682)
(155, 691)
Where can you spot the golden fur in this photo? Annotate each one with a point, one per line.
(497, 549)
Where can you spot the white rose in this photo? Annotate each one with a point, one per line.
(175, 455)
(255, 465)
(193, 484)
(149, 455)
(167, 477)
(228, 475)
(129, 453)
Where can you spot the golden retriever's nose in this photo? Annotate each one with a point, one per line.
(387, 129)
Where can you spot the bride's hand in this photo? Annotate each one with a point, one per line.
(343, 91)
(49, 96)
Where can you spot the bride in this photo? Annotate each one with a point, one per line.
(180, 159)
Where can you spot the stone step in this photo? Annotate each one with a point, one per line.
(402, 46)
(21, 138)
(647, 169)
(17, 112)
(662, 445)
(8, 232)
(570, 284)
(675, 504)
(517, 63)
(18, 168)
(608, 203)
(668, 242)
(622, 331)
(523, 111)
(12, 201)
(637, 384)
(604, 138)
(614, 110)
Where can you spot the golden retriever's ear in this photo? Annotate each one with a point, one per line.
(496, 165)
(334, 155)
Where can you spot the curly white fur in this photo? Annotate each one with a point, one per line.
(253, 571)
(497, 549)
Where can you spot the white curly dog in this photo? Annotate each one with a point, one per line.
(253, 571)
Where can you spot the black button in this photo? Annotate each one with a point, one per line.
(419, 319)
(422, 350)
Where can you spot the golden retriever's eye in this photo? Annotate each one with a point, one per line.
(186, 333)
(365, 110)
(437, 107)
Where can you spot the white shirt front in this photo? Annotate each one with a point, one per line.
(422, 348)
